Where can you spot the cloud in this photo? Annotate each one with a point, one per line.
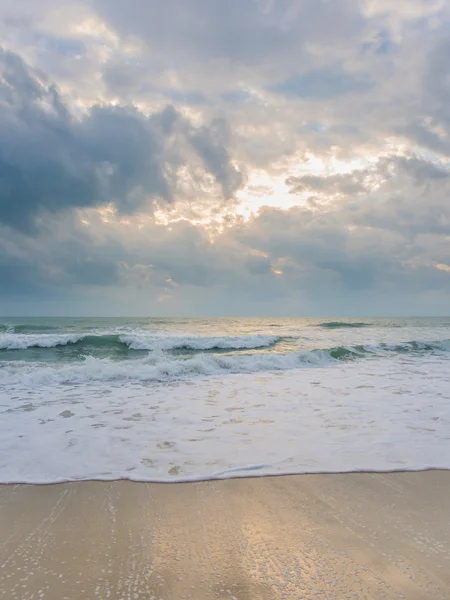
(132, 133)
(354, 248)
(211, 145)
(53, 161)
(321, 84)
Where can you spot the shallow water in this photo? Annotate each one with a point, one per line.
(176, 399)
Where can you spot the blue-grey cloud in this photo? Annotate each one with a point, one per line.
(236, 96)
(185, 96)
(139, 118)
(52, 161)
(211, 145)
(378, 239)
(245, 32)
(322, 84)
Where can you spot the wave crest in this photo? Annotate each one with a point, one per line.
(161, 343)
(166, 368)
(152, 343)
(18, 341)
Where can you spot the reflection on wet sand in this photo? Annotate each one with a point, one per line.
(327, 536)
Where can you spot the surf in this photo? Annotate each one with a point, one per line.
(135, 341)
(163, 367)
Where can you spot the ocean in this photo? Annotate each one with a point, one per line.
(190, 399)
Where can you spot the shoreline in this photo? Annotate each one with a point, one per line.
(352, 535)
(246, 474)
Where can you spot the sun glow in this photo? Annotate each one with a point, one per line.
(271, 189)
(443, 267)
(264, 188)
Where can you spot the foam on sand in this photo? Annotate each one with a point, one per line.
(349, 417)
(177, 399)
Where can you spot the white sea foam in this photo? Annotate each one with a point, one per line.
(136, 340)
(21, 341)
(162, 367)
(141, 341)
(93, 369)
(221, 398)
(383, 414)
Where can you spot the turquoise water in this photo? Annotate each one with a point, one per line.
(68, 340)
(179, 399)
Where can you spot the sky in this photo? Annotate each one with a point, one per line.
(224, 157)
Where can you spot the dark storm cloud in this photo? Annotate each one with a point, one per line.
(211, 145)
(52, 161)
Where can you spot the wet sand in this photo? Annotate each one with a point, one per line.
(311, 536)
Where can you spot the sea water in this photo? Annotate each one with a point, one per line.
(183, 399)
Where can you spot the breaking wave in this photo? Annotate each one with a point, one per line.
(114, 341)
(18, 341)
(166, 368)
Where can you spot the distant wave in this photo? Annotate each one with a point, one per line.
(17, 341)
(250, 342)
(25, 328)
(167, 368)
(343, 325)
(84, 341)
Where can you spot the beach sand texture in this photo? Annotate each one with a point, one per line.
(308, 536)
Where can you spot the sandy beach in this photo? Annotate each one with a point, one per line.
(311, 536)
